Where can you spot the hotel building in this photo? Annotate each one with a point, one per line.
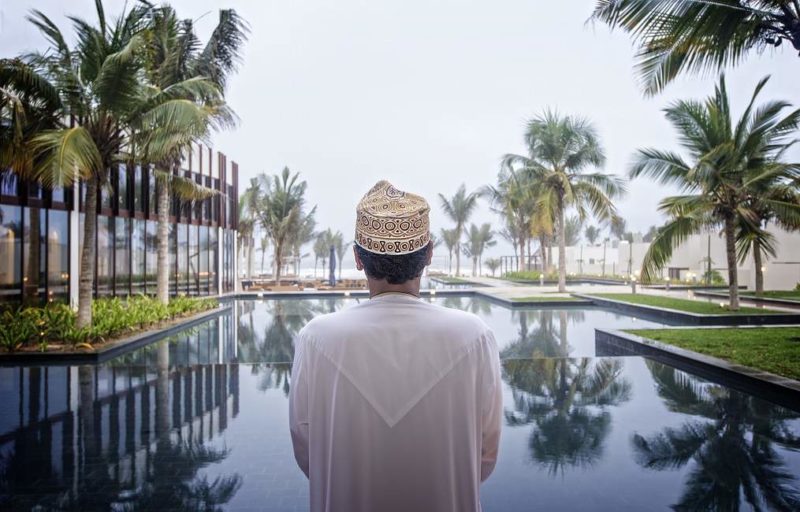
(41, 234)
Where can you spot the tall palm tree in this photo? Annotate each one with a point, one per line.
(320, 251)
(450, 240)
(478, 239)
(281, 212)
(101, 95)
(341, 249)
(560, 149)
(193, 80)
(249, 202)
(729, 161)
(325, 240)
(459, 208)
(676, 36)
(264, 245)
(301, 236)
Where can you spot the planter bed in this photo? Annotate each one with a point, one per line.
(678, 317)
(777, 389)
(104, 351)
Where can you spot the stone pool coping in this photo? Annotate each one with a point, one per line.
(752, 298)
(781, 390)
(109, 351)
(694, 319)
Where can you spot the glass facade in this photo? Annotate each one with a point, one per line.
(36, 236)
(10, 252)
(105, 256)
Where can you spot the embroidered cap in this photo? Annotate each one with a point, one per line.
(390, 221)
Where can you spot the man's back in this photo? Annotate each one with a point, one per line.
(395, 405)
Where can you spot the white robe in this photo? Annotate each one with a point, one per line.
(396, 405)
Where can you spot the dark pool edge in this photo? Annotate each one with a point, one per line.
(694, 319)
(752, 298)
(116, 348)
(781, 390)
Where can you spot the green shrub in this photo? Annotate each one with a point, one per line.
(111, 318)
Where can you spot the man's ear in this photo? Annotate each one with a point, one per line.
(359, 263)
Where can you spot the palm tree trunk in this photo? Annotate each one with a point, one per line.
(162, 280)
(458, 258)
(543, 250)
(474, 266)
(520, 261)
(758, 261)
(562, 250)
(250, 251)
(605, 244)
(277, 264)
(86, 279)
(730, 249)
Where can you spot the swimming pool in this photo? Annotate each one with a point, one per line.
(200, 420)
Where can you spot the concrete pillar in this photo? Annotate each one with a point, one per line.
(220, 258)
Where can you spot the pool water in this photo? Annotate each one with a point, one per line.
(199, 421)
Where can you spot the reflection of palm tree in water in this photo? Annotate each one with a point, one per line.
(544, 340)
(472, 304)
(287, 317)
(567, 400)
(733, 453)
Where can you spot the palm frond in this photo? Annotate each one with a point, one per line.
(65, 155)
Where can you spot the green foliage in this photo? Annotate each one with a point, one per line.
(689, 306)
(55, 323)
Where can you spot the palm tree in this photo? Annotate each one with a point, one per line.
(459, 208)
(193, 80)
(515, 200)
(264, 245)
(101, 96)
(592, 233)
(560, 149)
(729, 163)
(301, 236)
(341, 249)
(450, 240)
(478, 239)
(493, 264)
(323, 242)
(676, 36)
(281, 212)
(320, 252)
(617, 227)
(753, 237)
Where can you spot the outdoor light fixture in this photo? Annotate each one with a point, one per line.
(347, 293)
(763, 269)
(433, 292)
(260, 295)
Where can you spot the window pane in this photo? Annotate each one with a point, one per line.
(138, 202)
(203, 260)
(194, 261)
(122, 183)
(152, 257)
(58, 255)
(10, 253)
(122, 262)
(107, 193)
(35, 229)
(8, 184)
(173, 259)
(212, 260)
(105, 255)
(151, 190)
(183, 258)
(58, 194)
(137, 257)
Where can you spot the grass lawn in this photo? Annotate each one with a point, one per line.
(690, 306)
(773, 349)
(777, 294)
(540, 298)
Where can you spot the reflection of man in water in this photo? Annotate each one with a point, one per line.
(395, 403)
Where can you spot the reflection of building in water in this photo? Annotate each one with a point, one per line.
(69, 433)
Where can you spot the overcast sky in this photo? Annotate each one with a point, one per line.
(428, 94)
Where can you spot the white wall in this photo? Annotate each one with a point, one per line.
(781, 272)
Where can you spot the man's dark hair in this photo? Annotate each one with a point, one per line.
(395, 268)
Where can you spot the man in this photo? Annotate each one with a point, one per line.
(395, 403)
